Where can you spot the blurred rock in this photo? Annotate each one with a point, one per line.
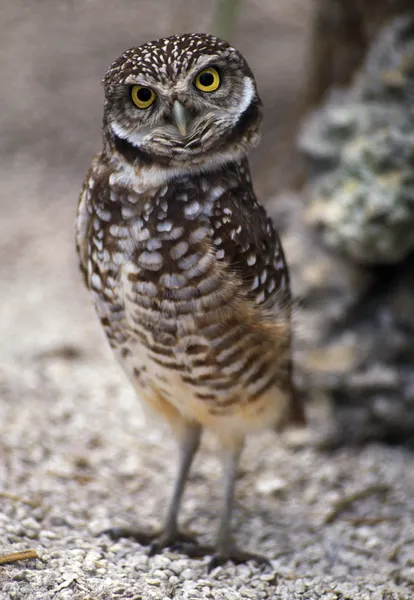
(361, 148)
(349, 241)
(354, 354)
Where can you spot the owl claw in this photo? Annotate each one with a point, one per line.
(237, 557)
(116, 533)
(156, 541)
(185, 544)
(219, 558)
(176, 542)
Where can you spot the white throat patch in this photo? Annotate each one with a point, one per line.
(133, 137)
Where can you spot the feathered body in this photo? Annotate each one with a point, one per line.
(185, 268)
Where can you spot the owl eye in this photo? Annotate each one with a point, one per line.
(208, 80)
(142, 96)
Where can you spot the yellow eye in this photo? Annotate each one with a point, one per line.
(208, 80)
(142, 96)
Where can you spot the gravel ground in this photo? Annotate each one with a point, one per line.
(76, 455)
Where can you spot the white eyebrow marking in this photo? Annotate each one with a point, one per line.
(246, 97)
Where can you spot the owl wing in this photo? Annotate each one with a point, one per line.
(246, 240)
(82, 229)
(248, 244)
(84, 215)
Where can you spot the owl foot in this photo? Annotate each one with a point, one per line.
(156, 541)
(174, 541)
(237, 557)
(221, 557)
(142, 537)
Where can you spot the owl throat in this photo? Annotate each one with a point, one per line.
(127, 153)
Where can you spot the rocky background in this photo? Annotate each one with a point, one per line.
(350, 234)
(76, 455)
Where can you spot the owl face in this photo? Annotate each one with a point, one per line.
(180, 99)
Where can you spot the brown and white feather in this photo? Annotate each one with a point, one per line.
(185, 268)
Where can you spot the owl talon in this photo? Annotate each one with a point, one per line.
(219, 558)
(237, 557)
(156, 541)
(176, 542)
(143, 538)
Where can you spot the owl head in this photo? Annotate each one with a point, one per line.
(186, 99)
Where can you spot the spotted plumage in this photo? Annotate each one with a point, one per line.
(185, 268)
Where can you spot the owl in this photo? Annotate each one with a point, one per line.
(184, 266)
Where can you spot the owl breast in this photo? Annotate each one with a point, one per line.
(176, 315)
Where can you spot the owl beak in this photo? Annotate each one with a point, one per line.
(179, 117)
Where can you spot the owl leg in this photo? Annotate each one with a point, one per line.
(230, 461)
(188, 434)
(189, 441)
(225, 549)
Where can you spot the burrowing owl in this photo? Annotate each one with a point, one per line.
(185, 268)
